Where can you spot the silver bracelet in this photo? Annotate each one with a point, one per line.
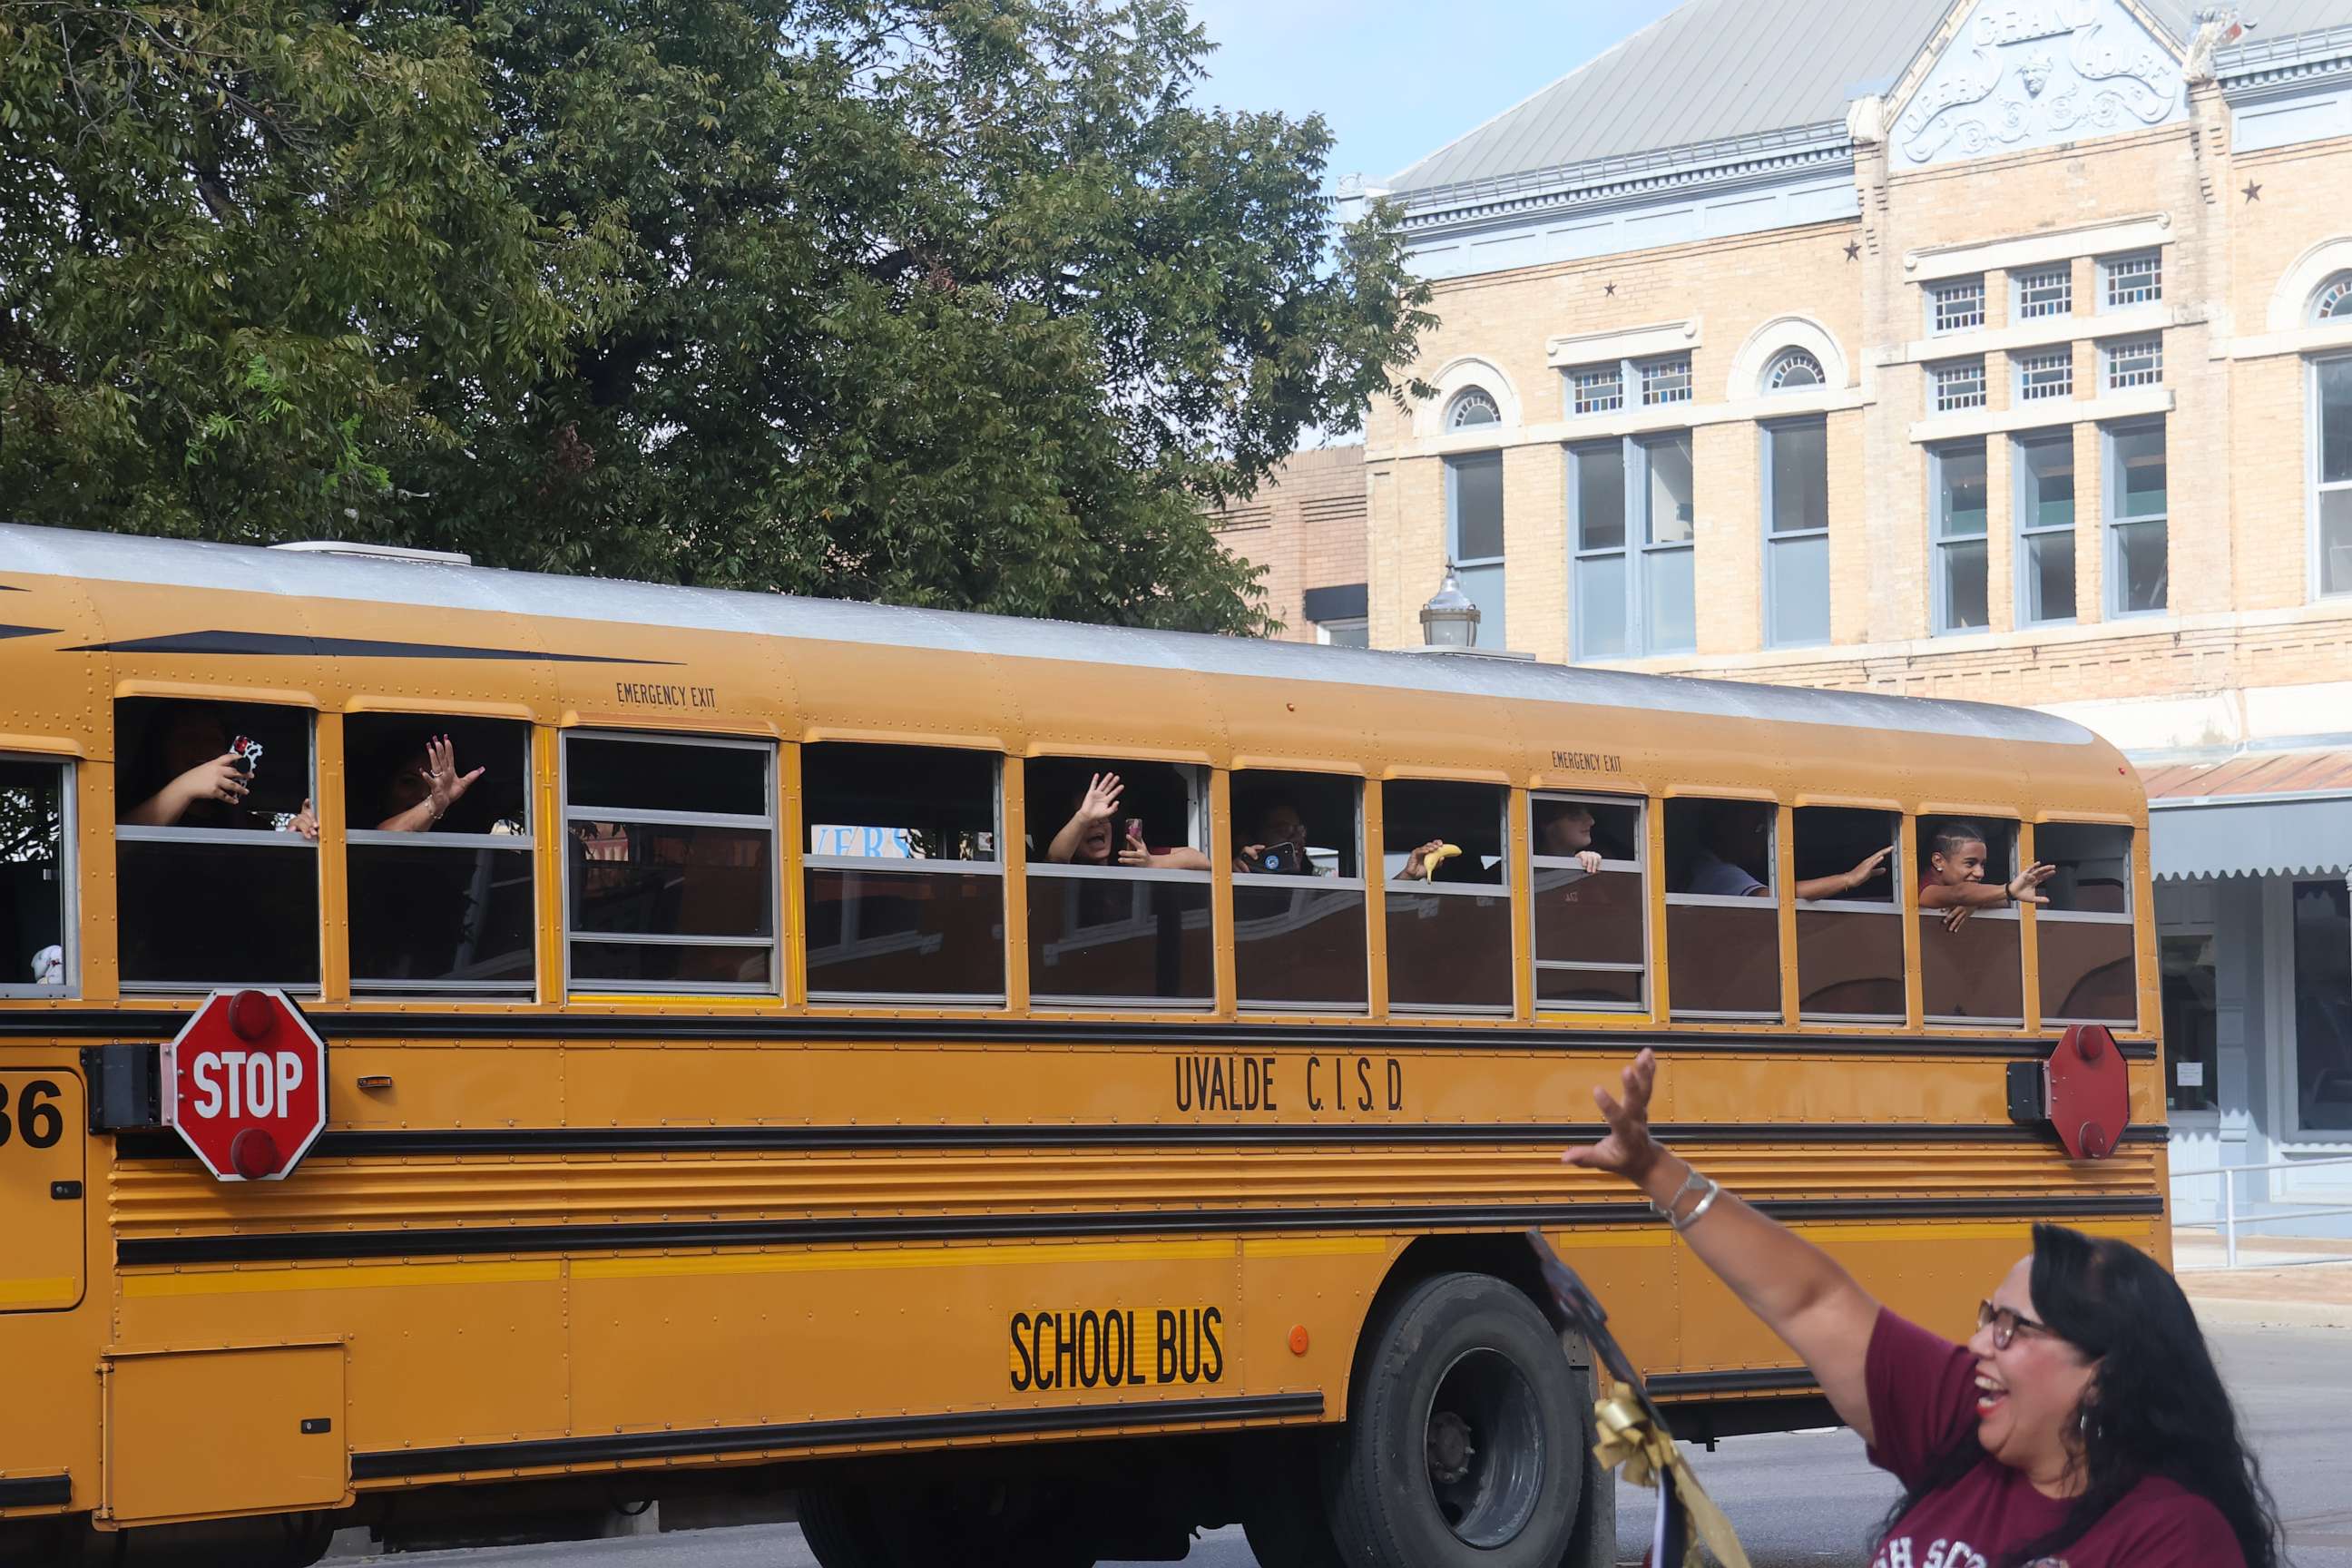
(1692, 1183)
(1714, 1191)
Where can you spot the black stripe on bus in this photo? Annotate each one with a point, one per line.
(7, 632)
(1014, 1137)
(296, 1247)
(35, 1492)
(135, 1023)
(1759, 1380)
(537, 1453)
(293, 645)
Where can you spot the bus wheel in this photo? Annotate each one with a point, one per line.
(837, 1522)
(1466, 1442)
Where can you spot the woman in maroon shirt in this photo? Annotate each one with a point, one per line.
(2081, 1427)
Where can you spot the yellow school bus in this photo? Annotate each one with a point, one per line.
(754, 1071)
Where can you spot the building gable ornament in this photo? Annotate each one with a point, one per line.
(2027, 75)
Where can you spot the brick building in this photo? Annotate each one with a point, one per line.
(1306, 527)
(1998, 349)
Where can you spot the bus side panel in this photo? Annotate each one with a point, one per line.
(52, 1324)
(441, 1350)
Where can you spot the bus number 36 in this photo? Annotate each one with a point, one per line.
(37, 1115)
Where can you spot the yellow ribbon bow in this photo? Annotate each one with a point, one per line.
(1632, 1436)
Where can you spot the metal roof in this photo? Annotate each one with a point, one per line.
(185, 564)
(2254, 814)
(1712, 71)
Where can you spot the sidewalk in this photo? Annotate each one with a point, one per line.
(2280, 1281)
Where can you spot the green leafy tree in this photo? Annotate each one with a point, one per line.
(962, 303)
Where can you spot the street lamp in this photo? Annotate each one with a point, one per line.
(1449, 619)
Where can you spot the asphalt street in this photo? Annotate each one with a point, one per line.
(1804, 1498)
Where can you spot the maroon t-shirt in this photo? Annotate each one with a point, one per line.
(1923, 1400)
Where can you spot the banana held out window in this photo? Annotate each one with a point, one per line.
(1723, 925)
(1443, 853)
(670, 864)
(2084, 931)
(1971, 958)
(1849, 915)
(1590, 903)
(215, 844)
(37, 887)
(1118, 884)
(438, 842)
(903, 882)
(1298, 892)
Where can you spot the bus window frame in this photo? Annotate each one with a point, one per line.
(1891, 908)
(1639, 866)
(2128, 917)
(1784, 961)
(526, 843)
(771, 752)
(993, 866)
(2011, 912)
(279, 839)
(1197, 825)
(69, 882)
(1360, 883)
(1393, 887)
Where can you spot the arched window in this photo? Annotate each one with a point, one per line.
(1794, 369)
(1473, 405)
(2333, 301)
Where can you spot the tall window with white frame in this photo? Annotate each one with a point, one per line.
(2042, 463)
(1474, 536)
(2331, 473)
(2042, 293)
(1630, 525)
(2135, 512)
(1797, 532)
(1955, 494)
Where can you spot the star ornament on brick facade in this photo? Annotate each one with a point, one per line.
(2253, 191)
(1852, 249)
(1609, 290)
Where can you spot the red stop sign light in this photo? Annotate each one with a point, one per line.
(246, 1083)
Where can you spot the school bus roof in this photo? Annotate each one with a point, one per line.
(97, 559)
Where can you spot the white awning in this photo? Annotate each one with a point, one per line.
(2250, 835)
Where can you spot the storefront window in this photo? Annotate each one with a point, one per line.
(2189, 1022)
(2323, 1007)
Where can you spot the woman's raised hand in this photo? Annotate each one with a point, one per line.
(1628, 1150)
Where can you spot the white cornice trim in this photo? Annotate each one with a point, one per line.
(1931, 262)
(2042, 331)
(2136, 403)
(1623, 342)
(2324, 338)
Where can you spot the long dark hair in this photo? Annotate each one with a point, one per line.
(2155, 1407)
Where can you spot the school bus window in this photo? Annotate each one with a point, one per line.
(1849, 915)
(1590, 903)
(216, 843)
(1300, 938)
(439, 844)
(905, 890)
(1443, 852)
(37, 915)
(1118, 885)
(1971, 958)
(1723, 926)
(670, 863)
(2084, 931)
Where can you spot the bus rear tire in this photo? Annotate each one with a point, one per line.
(837, 1523)
(1465, 1444)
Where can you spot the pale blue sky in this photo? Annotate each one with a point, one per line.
(1399, 79)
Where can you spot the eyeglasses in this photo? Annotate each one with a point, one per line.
(2005, 1322)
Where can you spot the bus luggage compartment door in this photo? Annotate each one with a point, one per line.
(42, 1138)
(197, 1434)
